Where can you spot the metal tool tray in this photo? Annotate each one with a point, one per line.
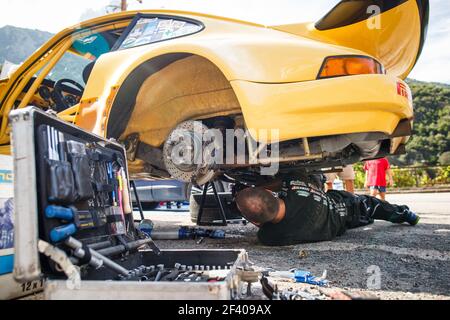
(33, 228)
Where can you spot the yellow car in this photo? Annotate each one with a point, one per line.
(328, 93)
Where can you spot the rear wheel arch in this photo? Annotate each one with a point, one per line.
(128, 94)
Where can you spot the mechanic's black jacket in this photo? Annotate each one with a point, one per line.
(311, 214)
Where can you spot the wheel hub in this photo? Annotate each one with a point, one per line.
(184, 153)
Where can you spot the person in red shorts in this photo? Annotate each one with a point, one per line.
(376, 172)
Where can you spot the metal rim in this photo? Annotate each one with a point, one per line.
(186, 141)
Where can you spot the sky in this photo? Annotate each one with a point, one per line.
(54, 15)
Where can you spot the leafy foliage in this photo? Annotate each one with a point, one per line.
(444, 159)
(431, 138)
(409, 177)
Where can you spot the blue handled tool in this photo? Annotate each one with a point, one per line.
(146, 226)
(193, 233)
(299, 276)
(306, 277)
(59, 234)
(56, 212)
(111, 177)
(81, 220)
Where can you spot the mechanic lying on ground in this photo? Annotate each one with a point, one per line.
(304, 213)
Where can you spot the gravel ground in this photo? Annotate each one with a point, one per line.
(414, 262)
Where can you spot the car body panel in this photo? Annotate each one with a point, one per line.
(3, 84)
(269, 74)
(158, 110)
(220, 43)
(253, 42)
(364, 103)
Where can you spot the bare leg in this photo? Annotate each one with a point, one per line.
(373, 192)
(382, 196)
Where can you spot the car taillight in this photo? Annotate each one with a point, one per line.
(349, 65)
(402, 90)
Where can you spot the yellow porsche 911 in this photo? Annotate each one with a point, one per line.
(330, 93)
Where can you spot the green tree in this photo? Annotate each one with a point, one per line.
(431, 136)
(444, 159)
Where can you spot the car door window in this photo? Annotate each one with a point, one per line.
(71, 66)
(83, 52)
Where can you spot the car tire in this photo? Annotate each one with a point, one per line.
(211, 210)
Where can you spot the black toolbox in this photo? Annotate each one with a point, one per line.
(75, 225)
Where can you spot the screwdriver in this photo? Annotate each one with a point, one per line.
(81, 220)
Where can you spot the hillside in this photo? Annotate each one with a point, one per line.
(431, 137)
(17, 44)
(431, 100)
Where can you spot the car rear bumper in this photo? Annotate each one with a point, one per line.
(355, 104)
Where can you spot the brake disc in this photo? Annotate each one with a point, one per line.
(189, 153)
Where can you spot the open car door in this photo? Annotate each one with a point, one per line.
(21, 88)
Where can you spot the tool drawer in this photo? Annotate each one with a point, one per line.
(75, 225)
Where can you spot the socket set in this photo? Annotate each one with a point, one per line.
(178, 273)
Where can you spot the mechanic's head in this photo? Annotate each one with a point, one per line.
(257, 205)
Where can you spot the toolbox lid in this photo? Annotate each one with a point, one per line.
(31, 190)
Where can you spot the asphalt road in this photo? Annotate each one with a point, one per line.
(385, 260)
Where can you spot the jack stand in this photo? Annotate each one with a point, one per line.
(219, 202)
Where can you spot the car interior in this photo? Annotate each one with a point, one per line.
(63, 87)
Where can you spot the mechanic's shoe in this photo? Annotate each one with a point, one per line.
(412, 218)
